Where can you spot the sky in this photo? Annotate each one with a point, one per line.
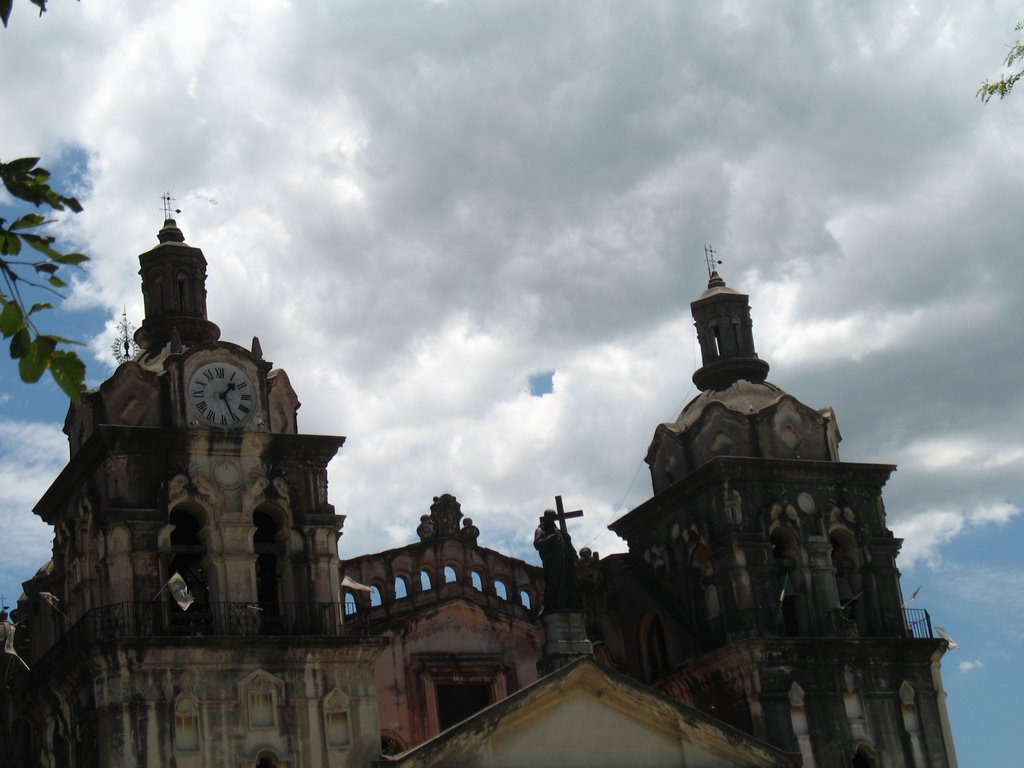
(470, 232)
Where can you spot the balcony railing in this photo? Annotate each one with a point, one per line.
(161, 619)
(918, 622)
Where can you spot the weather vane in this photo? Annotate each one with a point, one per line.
(709, 257)
(124, 346)
(168, 210)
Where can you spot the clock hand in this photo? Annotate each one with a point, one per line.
(224, 396)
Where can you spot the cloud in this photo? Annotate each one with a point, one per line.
(31, 456)
(925, 533)
(968, 666)
(418, 209)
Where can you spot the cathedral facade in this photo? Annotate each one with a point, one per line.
(196, 612)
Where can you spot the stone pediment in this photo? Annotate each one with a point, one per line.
(585, 714)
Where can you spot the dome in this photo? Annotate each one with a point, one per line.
(742, 396)
(745, 418)
(738, 412)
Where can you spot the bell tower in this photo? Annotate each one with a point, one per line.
(725, 335)
(174, 290)
(191, 612)
(762, 573)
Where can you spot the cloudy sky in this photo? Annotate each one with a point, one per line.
(428, 210)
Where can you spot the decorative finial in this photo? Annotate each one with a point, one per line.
(256, 348)
(709, 257)
(168, 210)
(124, 346)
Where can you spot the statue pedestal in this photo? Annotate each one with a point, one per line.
(565, 640)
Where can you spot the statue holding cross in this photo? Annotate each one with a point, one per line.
(561, 594)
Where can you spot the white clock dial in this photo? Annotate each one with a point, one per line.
(222, 394)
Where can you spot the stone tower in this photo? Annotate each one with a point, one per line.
(762, 577)
(187, 464)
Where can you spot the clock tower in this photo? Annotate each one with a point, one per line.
(191, 612)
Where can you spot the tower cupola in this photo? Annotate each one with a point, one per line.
(722, 318)
(174, 288)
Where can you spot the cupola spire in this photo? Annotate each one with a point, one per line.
(174, 290)
(722, 318)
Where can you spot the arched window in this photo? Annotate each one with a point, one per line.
(158, 295)
(864, 757)
(524, 598)
(187, 556)
(449, 575)
(401, 588)
(844, 560)
(425, 583)
(500, 589)
(350, 604)
(374, 596)
(654, 648)
(266, 760)
(477, 581)
(700, 559)
(268, 576)
(186, 724)
(183, 302)
(786, 555)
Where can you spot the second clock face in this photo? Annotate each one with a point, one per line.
(222, 394)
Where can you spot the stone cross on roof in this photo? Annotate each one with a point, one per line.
(561, 515)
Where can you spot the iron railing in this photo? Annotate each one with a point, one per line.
(163, 620)
(918, 622)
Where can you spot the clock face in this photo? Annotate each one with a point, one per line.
(222, 394)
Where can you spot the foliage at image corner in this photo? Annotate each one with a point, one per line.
(1004, 85)
(35, 269)
(7, 5)
(35, 352)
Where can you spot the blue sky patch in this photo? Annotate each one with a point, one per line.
(542, 383)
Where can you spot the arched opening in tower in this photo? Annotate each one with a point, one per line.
(844, 561)
(268, 571)
(784, 551)
(188, 555)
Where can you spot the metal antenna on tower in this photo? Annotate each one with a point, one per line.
(709, 257)
(168, 210)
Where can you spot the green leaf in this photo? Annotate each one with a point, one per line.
(10, 243)
(11, 319)
(41, 243)
(20, 343)
(61, 340)
(5, 10)
(68, 371)
(47, 267)
(22, 165)
(28, 221)
(56, 282)
(36, 359)
(40, 306)
(72, 259)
